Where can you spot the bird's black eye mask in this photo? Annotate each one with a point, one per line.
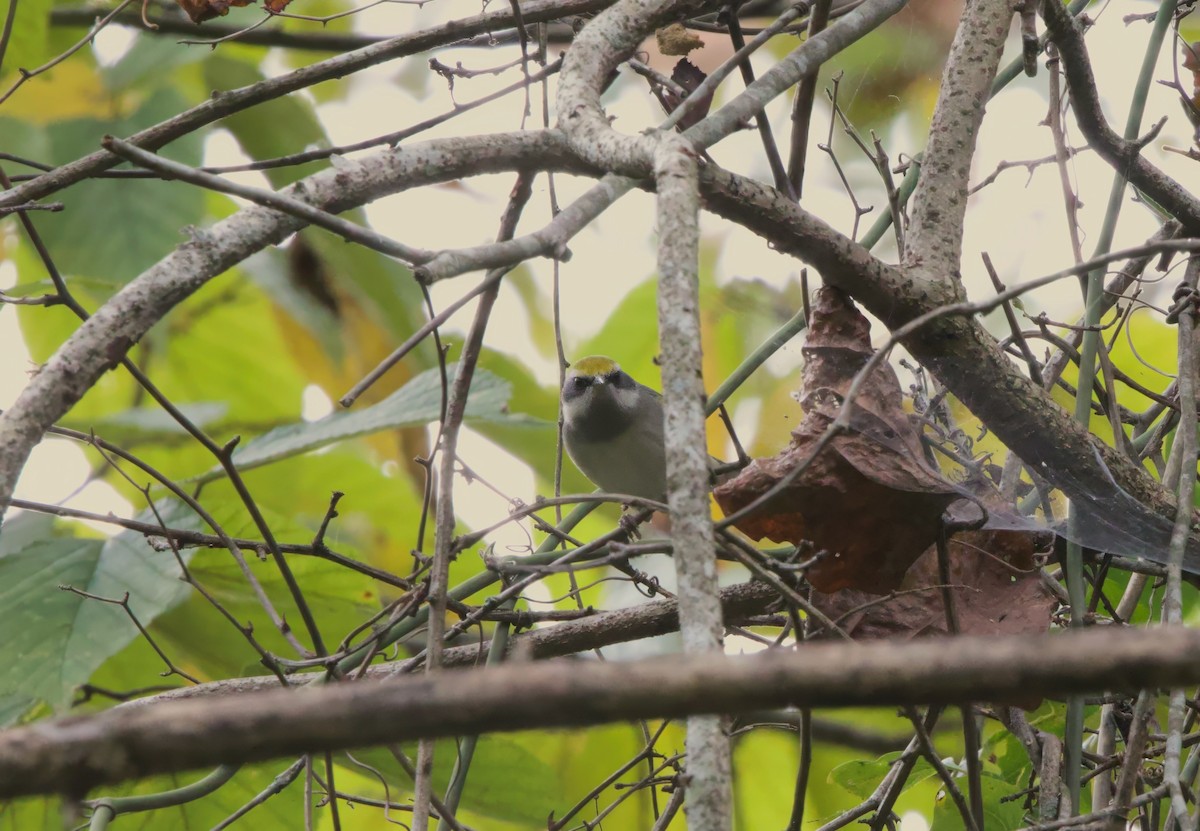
(619, 379)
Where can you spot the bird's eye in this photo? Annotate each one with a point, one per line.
(581, 382)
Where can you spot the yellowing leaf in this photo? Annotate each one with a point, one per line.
(70, 90)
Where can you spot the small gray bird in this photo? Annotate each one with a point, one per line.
(613, 429)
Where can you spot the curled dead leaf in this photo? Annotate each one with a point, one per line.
(689, 77)
(869, 497)
(201, 10)
(995, 583)
(996, 587)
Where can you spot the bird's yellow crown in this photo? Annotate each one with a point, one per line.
(595, 366)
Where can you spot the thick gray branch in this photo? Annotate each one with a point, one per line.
(934, 245)
(74, 754)
(606, 41)
(709, 785)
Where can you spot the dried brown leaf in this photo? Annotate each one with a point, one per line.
(202, 10)
(689, 77)
(996, 586)
(869, 497)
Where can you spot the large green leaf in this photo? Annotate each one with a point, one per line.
(764, 765)
(141, 422)
(586, 757)
(113, 229)
(224, 345)
(630, 335)
(24, 528)
(416, 403)
(149, 62)
(383, 287)
(53, 640)
(202, 641)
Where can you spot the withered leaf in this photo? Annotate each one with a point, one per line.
(869, 497)
(689, 77)
(996, 588)
(202, 10)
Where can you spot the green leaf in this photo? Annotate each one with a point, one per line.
(149, 62)
(511, 778)
(26, 139)
(13, 707)
(271, 271)
(113, 229)
(862, 776)
(416, 403)
(492, 789)
(997, 815)
(383, 287)
(582, 754)
(537, 305)
(530, 440)
(141, 421)
(271, 128)
(224, 344)
(32, 814)
(28, 44)
(764, 763)
(630, 335)
(53, 640)
(24, 528)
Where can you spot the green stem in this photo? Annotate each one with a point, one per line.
(466, 750)
(756, 359)
(106, 810)
(1089, 349)
(907, 185)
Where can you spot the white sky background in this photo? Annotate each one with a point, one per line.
(617, 251)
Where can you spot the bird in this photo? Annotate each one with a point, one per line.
(613, 429)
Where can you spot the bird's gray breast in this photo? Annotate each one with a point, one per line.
(615, 456)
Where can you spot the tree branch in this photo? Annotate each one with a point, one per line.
(659, 617)
(74, 754)
(709, 764)
(961, 352)
(1124, 156)
(934, 248)
(223, 104)
(171, 24)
